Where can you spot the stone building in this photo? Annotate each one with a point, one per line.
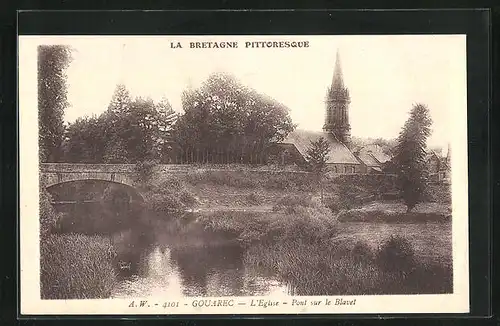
(336, 129)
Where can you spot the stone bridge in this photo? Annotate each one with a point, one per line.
(55, 173)
(69, 183)
(72, 182)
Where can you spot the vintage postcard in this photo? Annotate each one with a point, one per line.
(294, 174)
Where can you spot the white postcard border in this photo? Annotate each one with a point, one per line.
(31, 304)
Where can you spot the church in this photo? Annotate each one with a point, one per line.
(336, 130)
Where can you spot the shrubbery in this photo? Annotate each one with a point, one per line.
(396, 255)
(311, 224)
(48, 217)
(144, 170)
(170, 195)
(293, 201)
(439, 193)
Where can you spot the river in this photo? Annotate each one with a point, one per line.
(167, 267)
(195, 265)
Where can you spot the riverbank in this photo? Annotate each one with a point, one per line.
(73, 266)
(283, 230)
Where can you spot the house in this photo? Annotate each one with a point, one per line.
(374, 158)
(340, 159)
(439, 167)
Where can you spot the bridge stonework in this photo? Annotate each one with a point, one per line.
(54, 173)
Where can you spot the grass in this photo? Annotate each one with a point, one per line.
(395, 212)
(300, 240)
(76, 267)
(252, 179)
(313, 269)
(312, 223)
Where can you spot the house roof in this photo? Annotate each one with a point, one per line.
(339, 153)
(368, 159)
(376, 151)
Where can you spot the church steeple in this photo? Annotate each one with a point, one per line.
(338, 78)
(337, 105)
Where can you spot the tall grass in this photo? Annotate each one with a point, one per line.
(326, 269)
(76, 267)
(312, 224)
(72, 266)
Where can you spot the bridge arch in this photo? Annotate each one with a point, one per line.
(89, 190)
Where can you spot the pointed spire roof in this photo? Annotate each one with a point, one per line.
(338, 78)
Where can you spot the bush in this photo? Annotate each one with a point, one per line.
(396, 255)
(170, 195)
(76, 267)
(48, 217)
(293, 201)
(438, 193)
(144, 171)
(334, 204)
(310, 224)
(164, 203)
(362, 253)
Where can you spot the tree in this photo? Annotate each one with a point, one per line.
(85, 141)
(53, 61)
(410, 155)
(224, 121)
(129, 131)
(317, 156)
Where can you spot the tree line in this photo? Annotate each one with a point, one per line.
(223, 122)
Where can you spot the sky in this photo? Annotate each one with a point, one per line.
(385, 75)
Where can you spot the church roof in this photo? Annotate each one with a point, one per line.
(339, 153)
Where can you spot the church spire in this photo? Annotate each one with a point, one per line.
(338, 78)
(337, 106)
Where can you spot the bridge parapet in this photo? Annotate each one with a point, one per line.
(82, 167)
(54, 173)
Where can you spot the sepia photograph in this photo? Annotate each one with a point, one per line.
(245, 172)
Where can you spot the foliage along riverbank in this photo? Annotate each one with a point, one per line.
(73, 266)
(295, 240)
(297, 244)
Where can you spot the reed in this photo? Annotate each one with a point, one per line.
(76, 266)
(327, 269)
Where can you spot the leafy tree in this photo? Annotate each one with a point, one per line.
(317, 156)
(410, 156)
(130, 131)
(85, 140)
(228, 122)
(53, 61)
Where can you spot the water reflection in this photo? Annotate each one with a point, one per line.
(180, 270)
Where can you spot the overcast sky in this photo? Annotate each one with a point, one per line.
(385, 75)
